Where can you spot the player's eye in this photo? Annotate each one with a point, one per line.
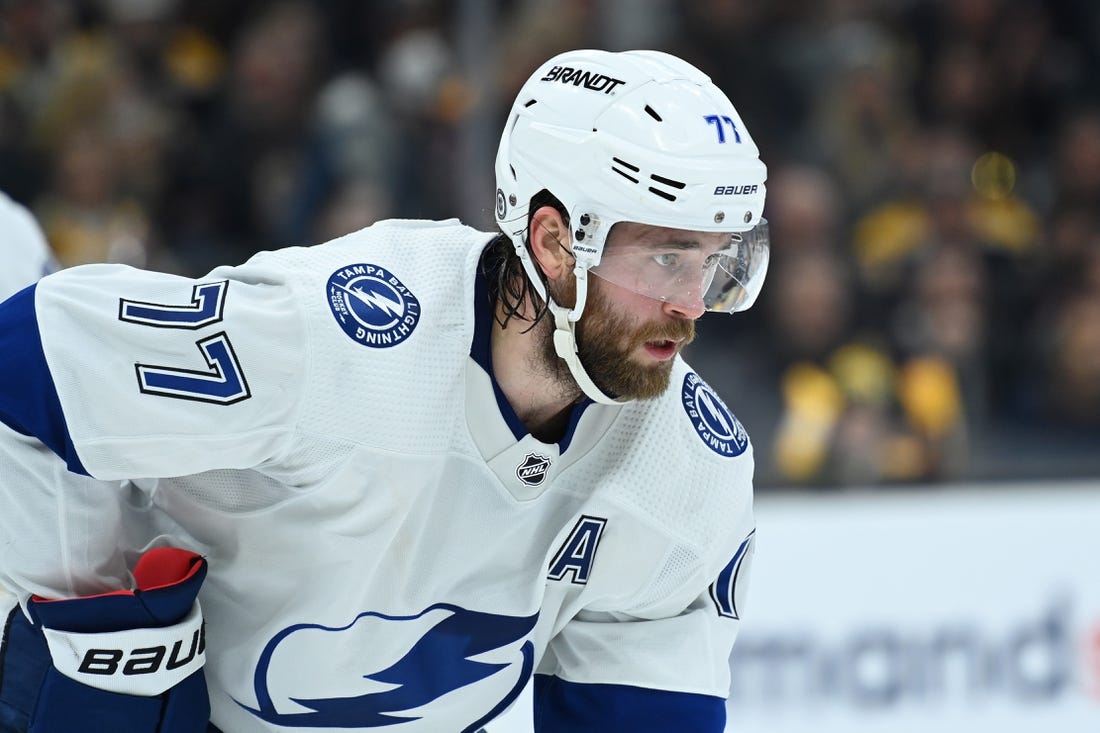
(667, 259)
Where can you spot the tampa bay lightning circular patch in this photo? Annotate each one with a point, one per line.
(372, 305)
(713, 421)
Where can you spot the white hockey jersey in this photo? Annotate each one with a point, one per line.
(24, 254)
(386, 543)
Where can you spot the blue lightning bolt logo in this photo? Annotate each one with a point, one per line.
(439, 662)
(716, 414)
(392, 307)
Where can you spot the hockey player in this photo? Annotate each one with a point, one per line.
(382, 482)
(24, 254)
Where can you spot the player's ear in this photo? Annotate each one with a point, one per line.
(549, 238)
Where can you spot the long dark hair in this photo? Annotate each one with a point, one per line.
(508, 281)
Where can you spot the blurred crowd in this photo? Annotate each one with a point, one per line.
(933, 307)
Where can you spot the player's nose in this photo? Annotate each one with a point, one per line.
(691, 309)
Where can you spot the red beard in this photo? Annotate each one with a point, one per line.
(607, 342)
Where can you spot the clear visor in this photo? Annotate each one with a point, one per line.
(720, 272)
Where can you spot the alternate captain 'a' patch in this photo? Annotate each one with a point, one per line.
(372, 305)
(712, 420)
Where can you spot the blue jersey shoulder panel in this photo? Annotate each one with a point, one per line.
(28, 396)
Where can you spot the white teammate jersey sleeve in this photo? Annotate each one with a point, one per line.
(24, 254)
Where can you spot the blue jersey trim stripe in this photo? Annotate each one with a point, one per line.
(28, 401)
(597, 708)
(481, 351)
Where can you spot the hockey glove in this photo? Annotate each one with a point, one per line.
(122, 661)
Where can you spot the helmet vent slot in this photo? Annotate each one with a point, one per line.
(529, 102)
(629, 166)
(653, 113)
(624, 164)
(667, 181)
(625, 175)
(663, 194)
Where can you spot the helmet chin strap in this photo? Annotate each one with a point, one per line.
(565, 344)
(565, 329)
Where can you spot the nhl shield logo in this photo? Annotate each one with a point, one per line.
(533, 469)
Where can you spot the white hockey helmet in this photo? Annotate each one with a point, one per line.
(637, 136)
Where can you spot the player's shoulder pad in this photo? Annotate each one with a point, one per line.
(689, 462)
(417, 223)
(388, 308)
(416, 253)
